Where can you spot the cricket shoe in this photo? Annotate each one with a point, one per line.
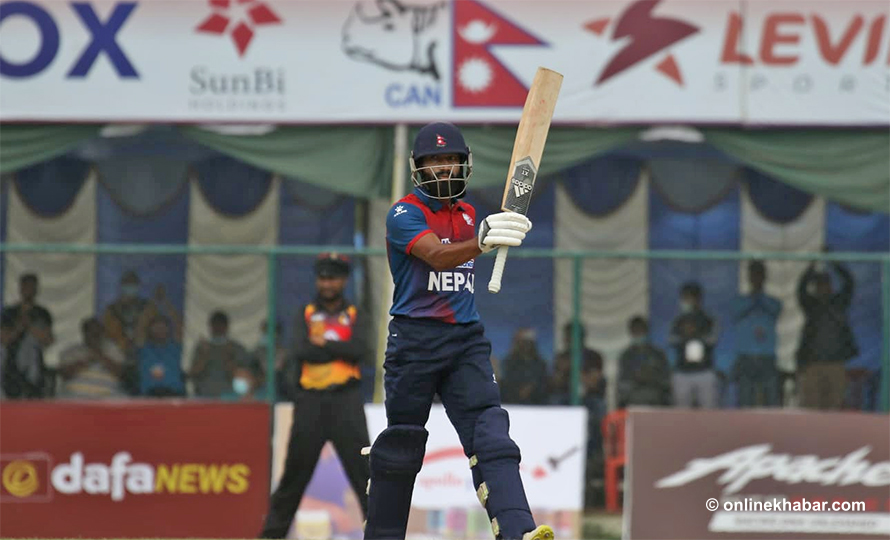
(542, 532)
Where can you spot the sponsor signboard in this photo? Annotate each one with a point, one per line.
(444, 504)
(145, 469)
(757, 475)
(792, 62)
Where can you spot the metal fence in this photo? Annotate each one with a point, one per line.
(572, 276)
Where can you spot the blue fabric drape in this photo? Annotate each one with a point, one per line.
(143, 186)
(527, 290)
(603, 185)
(850, 231)
(692, 186)
(775, 201)
(714, 229)
(115, 225)
(49, 188)
(232, 187)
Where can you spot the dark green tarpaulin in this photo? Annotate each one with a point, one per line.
(848, 166)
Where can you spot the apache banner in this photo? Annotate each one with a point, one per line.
(164, 470)
(748, 62)
(769, 475)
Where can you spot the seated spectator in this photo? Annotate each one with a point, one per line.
(644, 374)
(245, 387)
(123, 317)
(28, 331)
(525, 371)
(160, 359)
(285, 375)
(693, 336)
(91, 369)
(827, 341)
(560, 382)
(215, 360)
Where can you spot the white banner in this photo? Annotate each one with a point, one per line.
(795, 62)
(553, 444)
(553, 441)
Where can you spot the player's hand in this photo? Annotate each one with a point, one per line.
(503, 229)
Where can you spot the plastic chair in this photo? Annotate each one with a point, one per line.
(613, 443)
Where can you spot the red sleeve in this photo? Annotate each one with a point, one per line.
(414, 240)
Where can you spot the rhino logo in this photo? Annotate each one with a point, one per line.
(393, 35)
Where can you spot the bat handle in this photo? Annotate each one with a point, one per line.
(495, 284)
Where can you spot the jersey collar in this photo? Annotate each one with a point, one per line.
(434, 204)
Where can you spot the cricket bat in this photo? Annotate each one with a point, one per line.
(527, 150)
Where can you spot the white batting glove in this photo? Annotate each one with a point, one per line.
(503, 229)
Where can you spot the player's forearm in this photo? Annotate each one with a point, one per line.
(448, 256)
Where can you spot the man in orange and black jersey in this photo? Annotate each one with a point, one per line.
(330, 344)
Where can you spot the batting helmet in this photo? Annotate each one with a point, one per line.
(440, 138)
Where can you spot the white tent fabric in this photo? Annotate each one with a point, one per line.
(806, 234)
(67, 281)
(613, 290)
(234, 284)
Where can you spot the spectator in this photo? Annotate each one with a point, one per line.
(755, 316)
(214, 360)
(644, 374)
(693, 336)
(245, 387)
(285, 377)
(91, 369)
(160, 358)
(827, 341)
(591, 361)
(123, 317)
(525, 371)
(28, 333)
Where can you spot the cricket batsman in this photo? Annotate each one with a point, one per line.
(437, 345)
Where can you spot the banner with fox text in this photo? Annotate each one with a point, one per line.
(743, 62)
(133, 469)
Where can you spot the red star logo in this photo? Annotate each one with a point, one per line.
(238, 18)
(645, 35)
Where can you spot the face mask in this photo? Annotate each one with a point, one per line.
(686, 307)
(219, 340)
(130, 291)
(639, 340)
(240, 385)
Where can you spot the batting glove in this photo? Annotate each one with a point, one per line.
(503, 229)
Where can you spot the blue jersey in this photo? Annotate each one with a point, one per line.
(420, 291)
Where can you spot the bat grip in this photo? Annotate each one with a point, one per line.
(495, 284)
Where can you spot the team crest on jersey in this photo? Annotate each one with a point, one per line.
(400, 210)
(468, 219)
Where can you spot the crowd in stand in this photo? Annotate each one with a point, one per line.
(136, 348)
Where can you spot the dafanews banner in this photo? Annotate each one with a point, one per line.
(766, 475)
(147, 469)
(445, 505)
(748, 62)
